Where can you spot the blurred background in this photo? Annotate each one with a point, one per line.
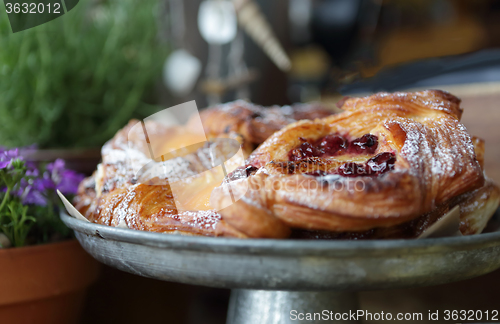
(70, 84)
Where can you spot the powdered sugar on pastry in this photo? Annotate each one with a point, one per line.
(387, 159)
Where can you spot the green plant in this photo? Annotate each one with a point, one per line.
(14, 222)
(76, 80)
(29, 206)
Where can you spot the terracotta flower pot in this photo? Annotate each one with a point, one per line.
(44, 283)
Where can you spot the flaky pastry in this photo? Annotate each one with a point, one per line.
(115, 196)
(255, 123)
(388, 166)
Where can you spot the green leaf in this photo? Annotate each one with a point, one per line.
(15, 223)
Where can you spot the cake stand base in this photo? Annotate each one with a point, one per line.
(282, 307)
(287, 269)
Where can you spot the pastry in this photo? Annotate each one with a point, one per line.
(388, 166)
(115, 195)
(255, 123)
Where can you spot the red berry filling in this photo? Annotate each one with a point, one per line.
(303, 151)
(366, 144)
(242, 172)
(375, 166)
(382, 162)
(333, 144)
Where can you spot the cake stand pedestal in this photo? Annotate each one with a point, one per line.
(269, 307)
(275, 281)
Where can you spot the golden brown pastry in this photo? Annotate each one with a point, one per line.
(255, 123)
(115, 195)
(151, 208)
(388, 166)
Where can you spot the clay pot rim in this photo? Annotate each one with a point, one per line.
(29, 248)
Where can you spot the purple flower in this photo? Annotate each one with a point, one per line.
(34, 193)
(7, 156)
(34, 187)
(62, 179)
(31, 189)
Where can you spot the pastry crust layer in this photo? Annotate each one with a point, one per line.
(435, 162)
(114, 196)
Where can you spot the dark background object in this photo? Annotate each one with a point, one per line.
(120, 297)
(482, 66)
(335, 25)
(81, 160)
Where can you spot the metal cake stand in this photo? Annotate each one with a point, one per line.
(270, 278)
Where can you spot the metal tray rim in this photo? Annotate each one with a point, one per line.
(282, 247)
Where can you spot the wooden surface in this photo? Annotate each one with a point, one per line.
(482, 119)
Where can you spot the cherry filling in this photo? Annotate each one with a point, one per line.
(375, 166)
(250, 169)
(332, 145)
(365, 144)
(382, 162)
(242, 172)
(351, 169)
(303, 151)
